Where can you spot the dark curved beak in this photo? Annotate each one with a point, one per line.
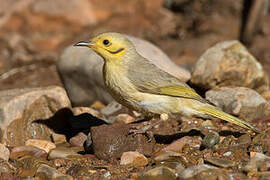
(84, 43)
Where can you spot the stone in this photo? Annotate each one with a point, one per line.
(243, 102)
(178, 145)
(6, 167)
(78, 139)
(124, 118)
(65, 153)
(58, 138)
(133, 158)
(193, 170)
(24, 113)
(266, 95)
(30, 164)
(111, 141)
(212, 138)
(81, 71)
(47, 172)
(225, 163)
(21, 151)
(158, 173)
(255, 162)
(41, 144)
(112, 109)
(80, 110)
(4, 152)
(229, 64)
(166, 155)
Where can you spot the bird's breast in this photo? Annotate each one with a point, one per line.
(118, 85)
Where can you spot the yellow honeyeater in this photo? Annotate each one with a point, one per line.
(137, 83)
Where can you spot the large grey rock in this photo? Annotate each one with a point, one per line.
(20, 107)
(81, 71)
(240, 101)
(229, 64)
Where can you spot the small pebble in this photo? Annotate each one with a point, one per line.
(133, 158)
(211, 139)
(124, 118)
(4, 152)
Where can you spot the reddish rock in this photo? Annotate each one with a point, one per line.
(110, 141)
(41, 144)
(78, 140)
(58, 138)
(124, 118)
(132, 158)
(20, 151)
(177, 145)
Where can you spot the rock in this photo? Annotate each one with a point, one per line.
(111, 141)
(21, 107)
(51, 24)
(133, 158)
(243, 102)
(80, 110)
(88, 148)
(81, 71)
(266, 95)
(255, 162)
(8, 176)
(193, 170)
(65, 153)
(47, 172)
(78, 139)
(212, 138)
(41, 144)
(21, 151)
(58, 138)
(4, 152)
(229, 64)
(112, 109)
(178, 145)
(29, 165)
(124, 118)
(6, 167)
(166, 155)
(158, 173)
(225, 163)
(44, 18)
(262, 140)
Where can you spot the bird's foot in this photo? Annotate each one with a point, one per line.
(142, 129)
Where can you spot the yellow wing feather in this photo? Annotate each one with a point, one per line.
(210, 110)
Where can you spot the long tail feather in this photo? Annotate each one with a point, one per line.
(212, 111)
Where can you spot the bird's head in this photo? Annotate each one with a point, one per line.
(110, 46)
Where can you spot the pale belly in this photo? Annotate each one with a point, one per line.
(159, 104)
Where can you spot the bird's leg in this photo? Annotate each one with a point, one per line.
(146, 126)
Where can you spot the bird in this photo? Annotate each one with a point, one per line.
(138, 84)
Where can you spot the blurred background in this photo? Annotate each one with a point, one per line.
(33, 33)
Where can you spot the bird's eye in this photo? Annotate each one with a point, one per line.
(106, 42)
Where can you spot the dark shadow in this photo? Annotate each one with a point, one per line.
(247, 4)
(167, 139)
(64, 122)
(231, 133)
